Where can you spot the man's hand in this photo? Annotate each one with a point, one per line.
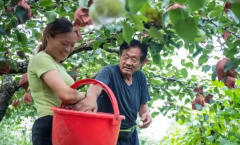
(146, 119)
(89, 104)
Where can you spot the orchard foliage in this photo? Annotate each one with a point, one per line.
(205, 29)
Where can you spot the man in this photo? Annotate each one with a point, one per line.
(130, 88)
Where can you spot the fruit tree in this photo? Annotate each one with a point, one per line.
(206, 30)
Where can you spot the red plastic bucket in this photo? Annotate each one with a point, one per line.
(82, 128)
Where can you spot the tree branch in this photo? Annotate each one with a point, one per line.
(89, 46)
(172, 80)
(21, 68)
(226, 29)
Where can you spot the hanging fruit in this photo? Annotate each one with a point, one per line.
(103, 12)
(74, 76)
(198, 89)
(230, 82)
(15, 102)
(27, 98)
(4, 68)
(208, 98)
(22, 18)
(229, 76)
(24, 82)
(198, 100)
(81, 20)
(226, 34)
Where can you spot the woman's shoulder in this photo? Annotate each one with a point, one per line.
(40, 60)
(41, 55)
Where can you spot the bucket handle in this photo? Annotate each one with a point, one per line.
(106, 89)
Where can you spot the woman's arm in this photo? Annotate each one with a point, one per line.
(66, 94)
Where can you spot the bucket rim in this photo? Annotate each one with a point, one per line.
(79, 113)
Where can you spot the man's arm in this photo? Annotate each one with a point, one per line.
(144, 109)
(103, 76)
(144, 112)
(89, 104)
(94, 91)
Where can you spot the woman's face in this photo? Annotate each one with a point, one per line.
(60, 46)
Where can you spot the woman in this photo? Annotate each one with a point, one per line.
(48, 80)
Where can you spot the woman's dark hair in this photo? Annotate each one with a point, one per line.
(135, 43)
(60, 25)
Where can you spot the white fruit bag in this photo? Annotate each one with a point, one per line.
(104, 12)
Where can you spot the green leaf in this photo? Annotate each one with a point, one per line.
(127, 32)
(154, 114)
(233, 15)
(199, 116)
(38, 35)
(46, 3)
(235, 7)
(14, 22)
(83, 3)
(67, 8)
(156, 58)
(237, 69)
(51, 16)
(96, 44)
(231, 52)
(179, 14)
(206, 51)
(174, 44)
(228, 65)
(136, 5)
(31, 24)
(22, 38)
(216, 11)
(114, 28)
(211, 138)
(120, 38)
(184, 72)
(189, 65)
(12, 65)
(199, 50)
(181, 1)
(203, 59)
(206, 68)
(107, 32)
(211, 6)
(187, 101)
(198, 107)
(206, 117)
(186, 29)
(21, 14)
(153, 31)
(1, 4)
(195, 5)
(156, 47)
(21, 54)
(211, 101)
(214, 76)
(225, 141)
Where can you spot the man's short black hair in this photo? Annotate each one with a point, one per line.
(135, 43)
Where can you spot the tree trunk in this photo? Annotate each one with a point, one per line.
(9, 87)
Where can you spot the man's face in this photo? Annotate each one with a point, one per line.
(130, 60)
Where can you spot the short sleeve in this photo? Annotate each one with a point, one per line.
(104, 75)
(42, 64)
(145, 96)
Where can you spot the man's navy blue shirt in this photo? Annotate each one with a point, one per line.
(129, 98)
